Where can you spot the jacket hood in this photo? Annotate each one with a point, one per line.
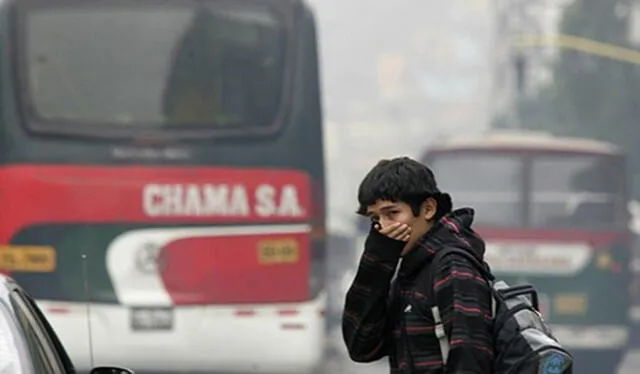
(452, 230)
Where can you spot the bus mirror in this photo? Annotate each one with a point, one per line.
(110, 370)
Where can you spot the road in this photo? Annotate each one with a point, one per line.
(340, 364)
(343, 366)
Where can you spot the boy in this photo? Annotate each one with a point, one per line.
(412, 220)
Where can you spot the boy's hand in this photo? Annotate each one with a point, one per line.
(396, 230)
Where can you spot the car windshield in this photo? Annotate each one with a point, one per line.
(14, 354)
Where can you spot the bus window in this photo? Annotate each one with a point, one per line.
(172, 65)
(575, 192)
(491, 184)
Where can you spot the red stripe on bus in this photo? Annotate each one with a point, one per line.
(33, 194)
(58, 310)
(237, 269)
(597, 239)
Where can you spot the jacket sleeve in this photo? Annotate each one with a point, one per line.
(365, 318)
(463, 297)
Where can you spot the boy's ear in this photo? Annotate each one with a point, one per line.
(429, 209)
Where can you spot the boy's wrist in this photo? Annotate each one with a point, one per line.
(383, 247)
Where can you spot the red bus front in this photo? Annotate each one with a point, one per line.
(555, 218)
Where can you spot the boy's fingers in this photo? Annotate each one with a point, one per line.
(400, 232)
(389, 229)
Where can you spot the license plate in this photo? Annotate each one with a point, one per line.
(570, 304)
(278, 251)
(151, 319)
(35, 259)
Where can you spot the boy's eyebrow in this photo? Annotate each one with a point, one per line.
(384, 208)
(388, 207)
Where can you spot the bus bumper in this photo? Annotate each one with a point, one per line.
(266, 339)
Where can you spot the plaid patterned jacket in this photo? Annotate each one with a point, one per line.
(387, 317)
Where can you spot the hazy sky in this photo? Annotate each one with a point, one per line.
(396, 76)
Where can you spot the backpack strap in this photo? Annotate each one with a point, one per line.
(442, 253)
(443, 339)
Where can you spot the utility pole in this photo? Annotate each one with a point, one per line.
(519, 71)
(508, 16)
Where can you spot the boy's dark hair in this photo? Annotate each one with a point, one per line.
(401, 179)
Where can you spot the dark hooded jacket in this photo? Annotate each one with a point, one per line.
(386, 317)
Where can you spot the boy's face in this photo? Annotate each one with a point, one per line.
(386, 213)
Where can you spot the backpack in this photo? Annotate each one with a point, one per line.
(523, 342)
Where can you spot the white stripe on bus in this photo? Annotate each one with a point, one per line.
(591, 336)
(135, 286)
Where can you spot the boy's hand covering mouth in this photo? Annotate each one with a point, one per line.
(396, 230)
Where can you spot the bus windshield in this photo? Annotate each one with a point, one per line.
(564, 191)
(162, 65)
(576, 191)
(491, 184)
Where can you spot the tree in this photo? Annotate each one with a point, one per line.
(592, 96)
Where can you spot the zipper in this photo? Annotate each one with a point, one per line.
(406, 347)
